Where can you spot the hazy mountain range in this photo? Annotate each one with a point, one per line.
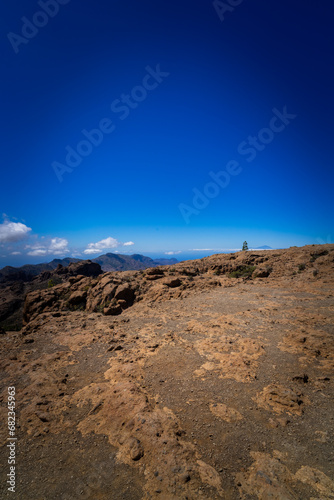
(108, 262)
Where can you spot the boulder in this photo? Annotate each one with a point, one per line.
(38, 302)
(172, 282)
(108, 292)
(77, 298)
(112, 310)
(76, 279)
(153, 271)
(84, 267)
(261, 272)
(125, 292)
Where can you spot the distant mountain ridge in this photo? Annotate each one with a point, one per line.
(108, 262)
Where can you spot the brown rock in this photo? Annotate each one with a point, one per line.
(112, 310)
(154, 271)
(42, 416)
(136, 451)
(172, 282)
(85, 268)
(124, 292)
(77, 298)
(261, 272)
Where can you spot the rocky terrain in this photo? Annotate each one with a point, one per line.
(16, 283)
(207, 379)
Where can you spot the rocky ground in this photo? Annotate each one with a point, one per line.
(207, 379)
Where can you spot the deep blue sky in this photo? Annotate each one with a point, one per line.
(225, 78)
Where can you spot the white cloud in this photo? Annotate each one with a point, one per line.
(101, 245)
(16, 253)
(105, 244)
(13, 231)
(173, 253)
(37, 252)
(75, 253)
(56, 246)
(201, 249)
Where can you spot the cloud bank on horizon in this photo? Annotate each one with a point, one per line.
(16, 238)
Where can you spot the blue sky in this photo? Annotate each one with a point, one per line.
(180, 93)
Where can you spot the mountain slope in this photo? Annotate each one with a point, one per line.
(118, 262)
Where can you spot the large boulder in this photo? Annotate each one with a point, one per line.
(154, 271)
(108, 292)
(261, 272)
(125, 292)
(172, 282)
(84, 267)
(77, 298)
(38, 302)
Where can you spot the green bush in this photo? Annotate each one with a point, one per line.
(51, 283)
(242, 272)
(301, 267)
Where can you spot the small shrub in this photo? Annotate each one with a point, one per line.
(315, 272)
(243, 272)
(301, 267)
(99, 308)
(77, 307)
(51, 283)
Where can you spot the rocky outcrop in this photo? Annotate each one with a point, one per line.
(77, 298)
(125, 292)
(111, 293)
(84, 268)
(12, 294)
(172, 282)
